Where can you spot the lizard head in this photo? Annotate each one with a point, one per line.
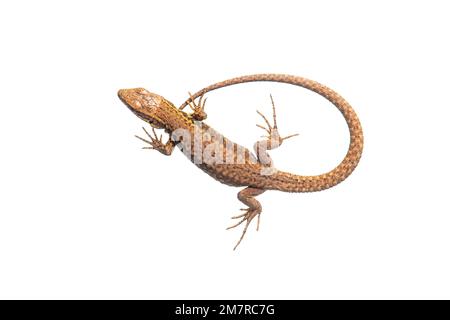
(145, 105)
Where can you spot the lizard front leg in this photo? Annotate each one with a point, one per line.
(247, 196)
(273, 141)
(157, 144)
(198, 110)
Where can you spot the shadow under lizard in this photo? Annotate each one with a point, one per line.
(242, 168)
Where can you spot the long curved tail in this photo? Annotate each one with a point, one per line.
(288, 182)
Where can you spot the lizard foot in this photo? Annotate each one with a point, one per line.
(247, 217)
(156, 143)
(199, 113)
(272, 130)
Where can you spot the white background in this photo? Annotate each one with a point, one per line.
(86, 213)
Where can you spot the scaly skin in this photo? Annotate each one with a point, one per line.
(242, 168)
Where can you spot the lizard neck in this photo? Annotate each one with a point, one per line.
(175, 119)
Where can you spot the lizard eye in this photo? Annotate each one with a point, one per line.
(155, 125)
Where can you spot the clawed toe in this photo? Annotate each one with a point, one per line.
(236, 224)
(241, 215)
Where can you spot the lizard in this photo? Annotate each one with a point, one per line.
(242, 168)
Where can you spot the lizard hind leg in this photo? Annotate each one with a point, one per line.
(273, 138)
(247, 196)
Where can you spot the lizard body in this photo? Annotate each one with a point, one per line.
(229, 162)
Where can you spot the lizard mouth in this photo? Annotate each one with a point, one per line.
(123, 94)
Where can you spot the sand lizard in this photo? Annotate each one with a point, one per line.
(229, 162)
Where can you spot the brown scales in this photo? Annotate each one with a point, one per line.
(257, 174)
